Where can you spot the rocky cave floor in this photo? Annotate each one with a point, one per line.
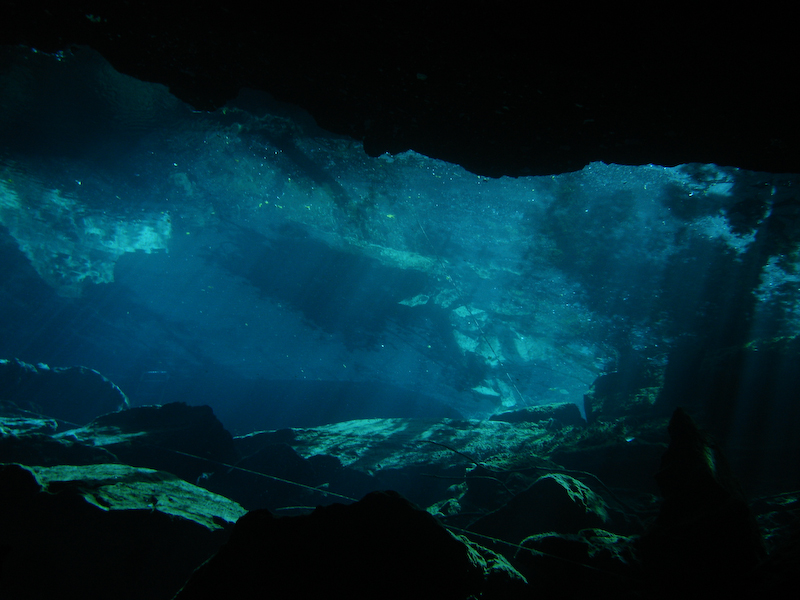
(527, 501)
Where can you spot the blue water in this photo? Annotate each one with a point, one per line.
(248, 260)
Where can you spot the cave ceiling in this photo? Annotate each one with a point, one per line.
(497, 92)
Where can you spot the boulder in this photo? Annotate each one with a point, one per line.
(188, 441)
(72, 394)
(705, 532)
(591, 563)
(379, 547)
(106, 530)
(555, 502)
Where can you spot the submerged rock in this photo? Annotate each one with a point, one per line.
(514, 485)
(72, 394)
(595, 562)
(553, 415)
(705, 532)
(632, 390)
(556, 502)
(104, 530)
(379, 547)
(185, 440)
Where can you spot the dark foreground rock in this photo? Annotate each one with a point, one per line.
(101, 531)
(184, 440)
(569, 507)
(593, 563)
(379, 547)
(705, 531)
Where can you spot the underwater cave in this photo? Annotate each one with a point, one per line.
(396, 303)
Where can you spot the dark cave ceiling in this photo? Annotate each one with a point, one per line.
(497, 91)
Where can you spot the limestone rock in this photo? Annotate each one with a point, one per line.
(73, 394)
(554, 415)
(379, 547)
(104, 530)
(705, 531)
(556, 502)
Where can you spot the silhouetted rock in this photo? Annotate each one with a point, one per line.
(556, 502)
(72, 394)
(379, 547)
(705, 533)
(185, 440)
(631, 390)
(593, 563)
(104, 530)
